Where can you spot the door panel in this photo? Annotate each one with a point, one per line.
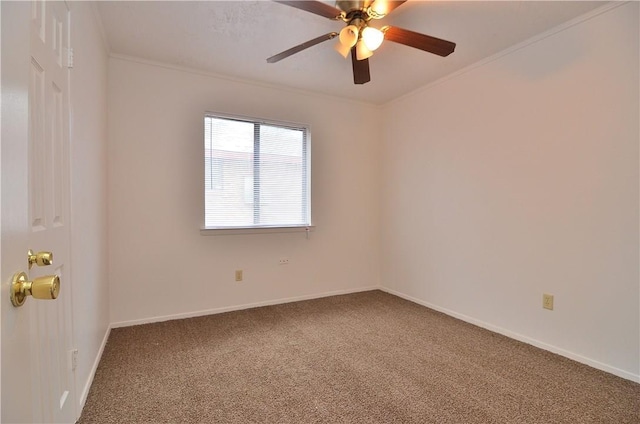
(37, 338)
(48, 164)
(37, 144)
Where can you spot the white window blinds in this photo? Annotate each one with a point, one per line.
(257, 173)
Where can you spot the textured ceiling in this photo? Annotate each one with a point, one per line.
(234, 38)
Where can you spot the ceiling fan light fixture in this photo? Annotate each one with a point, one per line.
(378, 9)
(347, 39)
(349, 35)
(342, 49)
(372, 38)
(362, 52)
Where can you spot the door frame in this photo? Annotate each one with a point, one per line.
(16, 397)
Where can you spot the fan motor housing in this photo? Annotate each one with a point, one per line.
(347, 6)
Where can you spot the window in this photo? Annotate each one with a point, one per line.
(257, 174)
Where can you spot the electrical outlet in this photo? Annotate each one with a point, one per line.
(547, 301)
(284, 261)
(238, 275)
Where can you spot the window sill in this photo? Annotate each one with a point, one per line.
(226, 231)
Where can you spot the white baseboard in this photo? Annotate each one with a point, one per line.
(545, 346)
(94, 368)
(239, 307)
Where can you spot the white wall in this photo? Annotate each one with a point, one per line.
(518, 178)
(161, 266)
(88, 192)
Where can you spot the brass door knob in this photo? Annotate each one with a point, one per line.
(45, 287)
(40, 258)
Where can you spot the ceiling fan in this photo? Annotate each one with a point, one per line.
(358, 36)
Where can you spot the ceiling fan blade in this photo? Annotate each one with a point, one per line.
(317, 7)
(384, 7)
(300, 47)
(360, 69)
(419, 41)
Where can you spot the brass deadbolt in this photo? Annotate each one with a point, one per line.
(45, 287)
(40, 258)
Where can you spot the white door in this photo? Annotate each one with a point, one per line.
(37, 343)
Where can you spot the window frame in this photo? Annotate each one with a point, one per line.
(306, 188)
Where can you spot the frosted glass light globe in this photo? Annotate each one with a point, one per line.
(362, 52)
(349, 35)
(372, 37)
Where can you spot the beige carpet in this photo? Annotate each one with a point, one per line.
(360, 358)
